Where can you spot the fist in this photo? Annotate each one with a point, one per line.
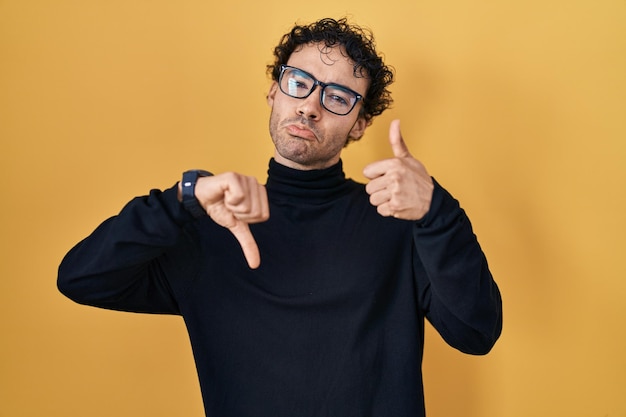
(234, 201)
(400, 186)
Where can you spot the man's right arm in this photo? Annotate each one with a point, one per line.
(121, 264)
(128, 262)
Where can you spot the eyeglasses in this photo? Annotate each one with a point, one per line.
(335, 98)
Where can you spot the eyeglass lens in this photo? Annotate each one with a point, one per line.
(335, 98)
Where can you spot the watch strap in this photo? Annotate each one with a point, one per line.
(190, 202)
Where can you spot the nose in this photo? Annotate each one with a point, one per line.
(310, 107)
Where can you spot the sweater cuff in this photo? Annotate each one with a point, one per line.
(441, 206)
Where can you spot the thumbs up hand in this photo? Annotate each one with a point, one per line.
(400, 186)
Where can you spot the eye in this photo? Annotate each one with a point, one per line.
(338, 97)
(296, 83)
(338, 100)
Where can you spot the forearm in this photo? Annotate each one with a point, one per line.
(121, 265)
(461, 298)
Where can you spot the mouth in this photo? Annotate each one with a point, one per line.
(300, 131)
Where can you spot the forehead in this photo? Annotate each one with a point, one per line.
(328, 64)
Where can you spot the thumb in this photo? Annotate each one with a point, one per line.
(398, 146)
(242, 233)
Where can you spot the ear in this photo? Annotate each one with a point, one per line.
(358, 129)
(272, 93)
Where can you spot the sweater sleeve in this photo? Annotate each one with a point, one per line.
(130, 260)
(456, 288)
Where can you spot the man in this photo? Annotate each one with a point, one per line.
(306, 296)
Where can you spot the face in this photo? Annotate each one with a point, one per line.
(305, 135)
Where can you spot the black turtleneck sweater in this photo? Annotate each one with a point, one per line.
(330, 324)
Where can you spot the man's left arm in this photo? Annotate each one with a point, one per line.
(456, 289)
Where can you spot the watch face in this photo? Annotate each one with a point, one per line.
(188, 183)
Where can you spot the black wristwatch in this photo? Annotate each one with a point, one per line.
(190, 202)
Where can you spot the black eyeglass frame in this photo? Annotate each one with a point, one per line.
(323, 85)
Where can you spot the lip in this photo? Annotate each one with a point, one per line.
(301, 132)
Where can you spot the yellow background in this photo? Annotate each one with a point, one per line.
(518, 108)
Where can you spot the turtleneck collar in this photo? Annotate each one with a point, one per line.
(316, 186)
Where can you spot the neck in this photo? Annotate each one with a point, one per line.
(310, 185)
(306, 166)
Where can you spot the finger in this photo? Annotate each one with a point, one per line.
(247, 207)
(399, 148)
(241, 197)
(385, 210)
(235, 192)
(242, 233)
(265, 205)
(257, 208)
(376, 185)
(381, 197)
(376, 169)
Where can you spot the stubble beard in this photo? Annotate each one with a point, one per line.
(297, 150)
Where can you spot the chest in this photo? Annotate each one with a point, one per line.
(334, 250)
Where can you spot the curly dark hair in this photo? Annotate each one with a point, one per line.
(360, 47)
